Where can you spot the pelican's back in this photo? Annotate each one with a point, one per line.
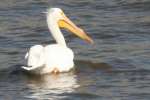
(35, 56)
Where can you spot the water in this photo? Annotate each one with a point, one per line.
(116, 67)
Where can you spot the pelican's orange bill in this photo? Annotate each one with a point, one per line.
(68, 24)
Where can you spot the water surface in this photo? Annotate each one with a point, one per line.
(116, 67)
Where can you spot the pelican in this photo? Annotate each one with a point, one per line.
(54, 58)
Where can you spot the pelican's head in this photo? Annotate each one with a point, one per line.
(57, 15)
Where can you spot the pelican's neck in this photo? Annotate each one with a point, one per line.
(55, 31)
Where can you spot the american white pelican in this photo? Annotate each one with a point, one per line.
(57, 57)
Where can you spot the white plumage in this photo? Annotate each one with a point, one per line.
(55, 57)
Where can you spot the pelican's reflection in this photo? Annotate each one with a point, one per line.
(51, 86)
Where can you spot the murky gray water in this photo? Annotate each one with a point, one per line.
(116, 67)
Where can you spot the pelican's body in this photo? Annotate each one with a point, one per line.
(57, 53)
(55, 57)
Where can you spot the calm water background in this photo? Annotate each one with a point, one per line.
(116, 67)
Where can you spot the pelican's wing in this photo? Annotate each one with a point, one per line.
(26, 56)
(33, 69)
(28, 68)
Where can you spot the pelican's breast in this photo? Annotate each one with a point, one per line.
(59, 57)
